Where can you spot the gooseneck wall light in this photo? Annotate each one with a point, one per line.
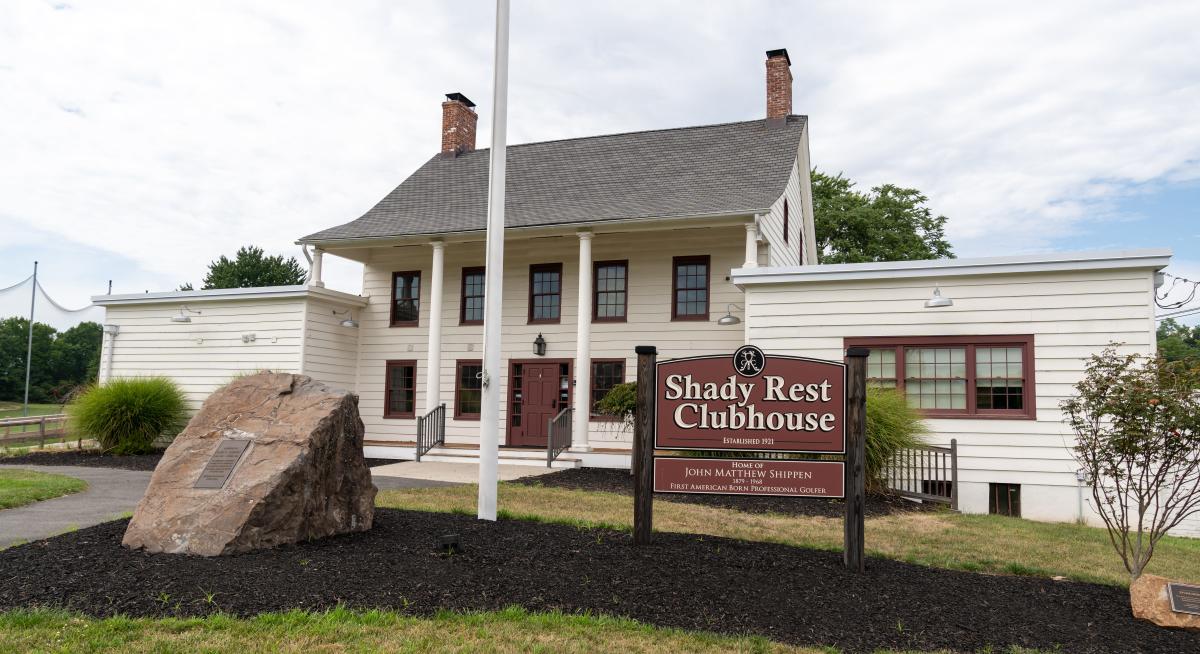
(349, 321)
(183, 314)
(938, 300)
(729, 319)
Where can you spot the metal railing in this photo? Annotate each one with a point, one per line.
(42, 432)
(927, 473)
(431, 430)
(558, 437)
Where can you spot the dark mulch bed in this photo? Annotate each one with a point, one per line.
(89, 458)
(620, 481)
(715, 584)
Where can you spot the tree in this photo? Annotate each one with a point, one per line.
(61, 362)
(1177, 342)
(1137, 427)
(251, 268)
(887, 224)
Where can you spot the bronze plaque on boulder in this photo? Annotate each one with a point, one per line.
(221, 464)
(1185, 598)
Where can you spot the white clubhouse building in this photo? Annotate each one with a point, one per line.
(696, 240)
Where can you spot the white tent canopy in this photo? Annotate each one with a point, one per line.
(14, 302)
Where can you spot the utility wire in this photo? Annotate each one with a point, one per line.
(1161, 299)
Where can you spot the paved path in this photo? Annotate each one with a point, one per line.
(110, 494)
(461, 473)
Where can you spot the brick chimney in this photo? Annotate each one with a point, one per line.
(458, 124)
(779, 84)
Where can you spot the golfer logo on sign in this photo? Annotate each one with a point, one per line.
(749, 361)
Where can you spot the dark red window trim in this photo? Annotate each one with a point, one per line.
(596, 266)
(392, 293)
(680, 261)
(545, 267)
(387, 388)
(1024, 341)
(458, 366)
(462, 295)
(599, 417)
(785, 220)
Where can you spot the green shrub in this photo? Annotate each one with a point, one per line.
(127, 415)
(619, 402)
(892, 425)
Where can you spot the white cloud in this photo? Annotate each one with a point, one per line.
(169, 133)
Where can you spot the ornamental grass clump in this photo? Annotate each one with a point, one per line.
(892, 426)
(126, 415)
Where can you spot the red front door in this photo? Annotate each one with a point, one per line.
(538, 400)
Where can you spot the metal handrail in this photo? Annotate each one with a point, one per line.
(558, 436)
(431, 430)
(927, 472)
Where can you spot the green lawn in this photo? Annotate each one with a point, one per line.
(979, 543)
(13, 409)
(19, 487)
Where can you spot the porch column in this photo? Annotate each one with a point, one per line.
(318, 256)
(433, 366)
(751, 244)
(583, 348)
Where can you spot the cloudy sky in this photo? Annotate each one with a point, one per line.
(139, 140)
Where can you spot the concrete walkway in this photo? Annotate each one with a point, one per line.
(110, 494)
(459, 473)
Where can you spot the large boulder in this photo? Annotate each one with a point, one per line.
(298, 473)
(1149, 599)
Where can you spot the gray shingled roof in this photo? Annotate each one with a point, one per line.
(713, 169)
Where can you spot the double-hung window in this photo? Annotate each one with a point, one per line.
(471, 306)
(606, 373)
(689, 288)
(406, 298)
(468, 389)
(956, 376)
(610, 295)
(400, 389)
(545, 292)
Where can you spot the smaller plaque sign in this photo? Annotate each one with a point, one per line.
(220, 466)
(749, 477)
(1185, 598)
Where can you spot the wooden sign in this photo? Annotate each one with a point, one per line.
(749, 477)
(221, 464)
(751, 402)
(1185, 598)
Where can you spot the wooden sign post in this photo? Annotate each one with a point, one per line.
(856, 441)
(643, 445)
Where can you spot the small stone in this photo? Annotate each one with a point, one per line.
(302, 477)
(1149, 600)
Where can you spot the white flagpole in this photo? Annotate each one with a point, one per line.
(489, 419)
(29, 347)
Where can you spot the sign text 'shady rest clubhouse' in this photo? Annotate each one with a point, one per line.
(755, 404)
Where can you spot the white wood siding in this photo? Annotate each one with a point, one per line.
(649, 315)
(208, 352)
(791, 252)
(330, 351)
(1070, 314)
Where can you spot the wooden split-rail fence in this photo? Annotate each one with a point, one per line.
(29, 430)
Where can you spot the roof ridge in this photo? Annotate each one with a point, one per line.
(638, 131)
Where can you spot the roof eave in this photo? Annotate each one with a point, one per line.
(231, 294)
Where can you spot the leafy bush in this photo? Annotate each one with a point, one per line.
(127, 415)
(892, 425)
(1137, 439)
(619, 402)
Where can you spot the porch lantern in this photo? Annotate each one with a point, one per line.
(539, 346)
(937, 301)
